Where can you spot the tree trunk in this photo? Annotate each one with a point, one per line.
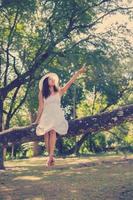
(1, 145)
(12, 150)
(1, 157)
(4, 151)
(91, 143)
(78, 144)
(59, 145)
(35, 146)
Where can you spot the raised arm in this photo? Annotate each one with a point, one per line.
(40, 107)
(72, 80)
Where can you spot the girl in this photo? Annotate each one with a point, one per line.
(50, 117)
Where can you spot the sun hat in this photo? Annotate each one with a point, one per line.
(49, 74)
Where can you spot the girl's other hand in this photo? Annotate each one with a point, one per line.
(34, 123)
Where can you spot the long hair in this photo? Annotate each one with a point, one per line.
(46, 90)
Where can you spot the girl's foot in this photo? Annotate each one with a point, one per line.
(50, 161)
(47, 163)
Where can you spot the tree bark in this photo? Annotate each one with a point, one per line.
(59, 145)
(1, 145)
(92, 124)
(76, 147)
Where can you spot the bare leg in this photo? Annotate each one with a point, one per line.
(46, 140)
(52, 142)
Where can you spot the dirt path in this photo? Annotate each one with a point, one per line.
(84, 178)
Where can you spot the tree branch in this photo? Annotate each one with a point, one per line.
(101, 17)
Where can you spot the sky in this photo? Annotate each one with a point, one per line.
(108, 21)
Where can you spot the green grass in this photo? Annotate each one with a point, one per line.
(102, 177)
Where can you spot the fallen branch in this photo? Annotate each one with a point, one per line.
(92, 124)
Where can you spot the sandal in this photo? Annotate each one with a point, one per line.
(50, 162)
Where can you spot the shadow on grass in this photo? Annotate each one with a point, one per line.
(72, 178)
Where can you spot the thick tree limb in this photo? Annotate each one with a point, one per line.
(92, 124)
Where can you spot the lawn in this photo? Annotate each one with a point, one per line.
(73, 178)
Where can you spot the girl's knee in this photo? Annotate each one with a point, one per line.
(52, 130)
(46, 134)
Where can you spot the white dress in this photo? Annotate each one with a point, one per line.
(52, 117)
